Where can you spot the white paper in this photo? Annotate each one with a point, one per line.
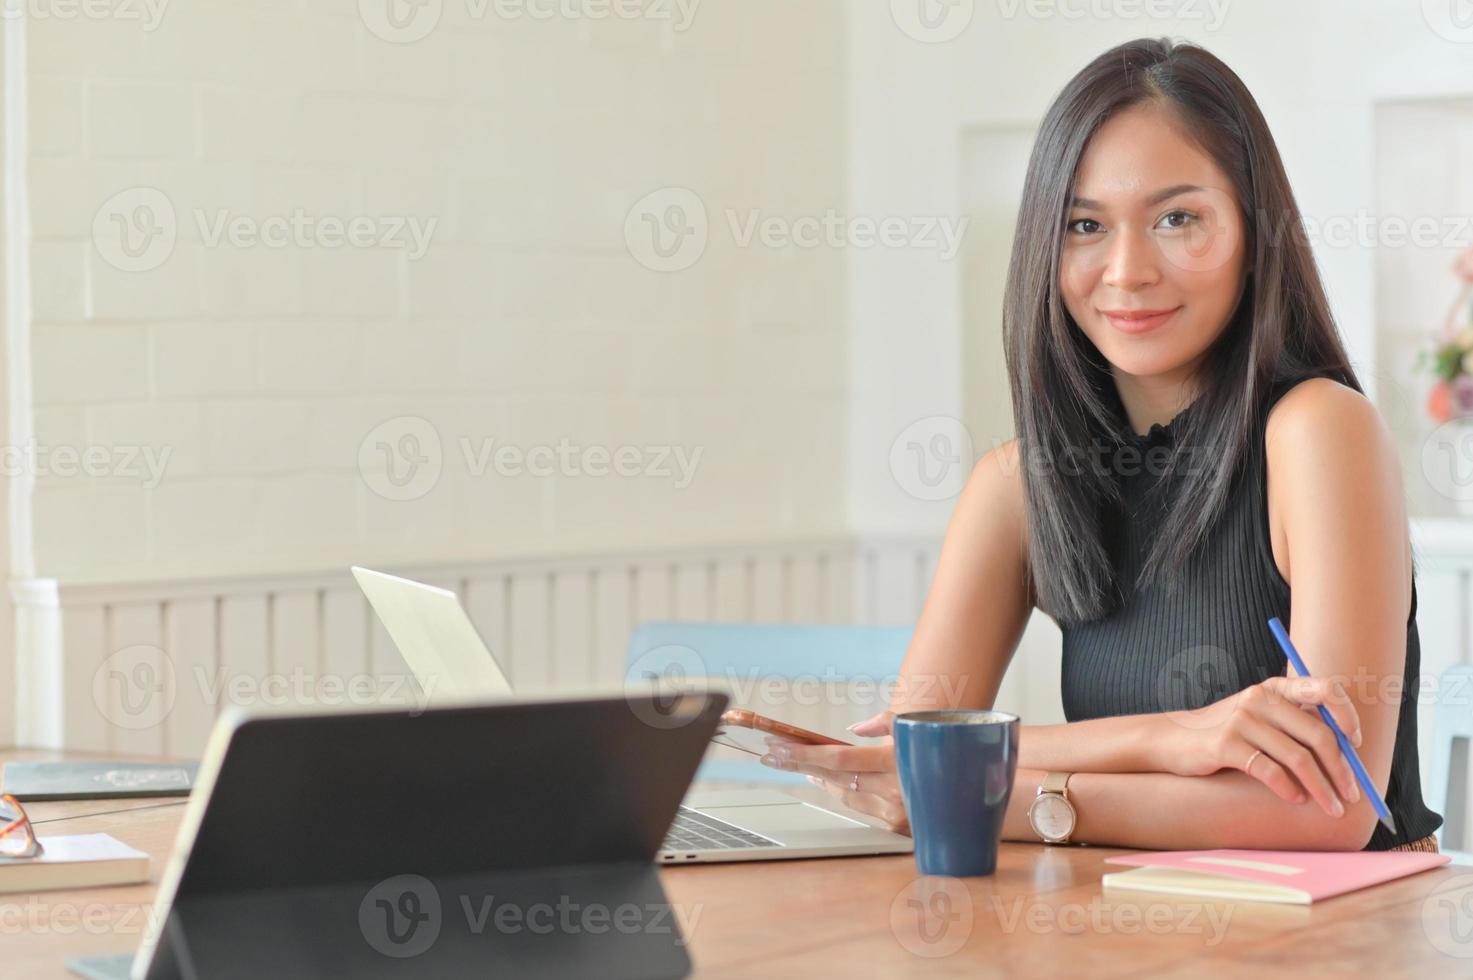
(78, 847)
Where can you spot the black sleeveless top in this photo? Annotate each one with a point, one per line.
(1177, 649)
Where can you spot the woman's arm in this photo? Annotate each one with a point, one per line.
(979, 599)
(1124, 743)
(1162, 811)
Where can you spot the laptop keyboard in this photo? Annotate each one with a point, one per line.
(695, 831)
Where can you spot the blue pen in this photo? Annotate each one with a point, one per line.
(1356, 767)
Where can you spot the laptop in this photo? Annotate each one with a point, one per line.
(452, 663)
(426, 843)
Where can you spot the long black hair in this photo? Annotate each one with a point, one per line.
(1281, 328)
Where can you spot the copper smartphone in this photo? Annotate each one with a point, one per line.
(749, 731)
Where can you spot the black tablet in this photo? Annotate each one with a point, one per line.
(506, 840)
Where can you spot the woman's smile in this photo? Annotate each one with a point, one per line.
(1137, 322)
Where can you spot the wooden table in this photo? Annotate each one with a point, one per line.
(1042, 914)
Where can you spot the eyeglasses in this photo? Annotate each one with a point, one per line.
(17, 837)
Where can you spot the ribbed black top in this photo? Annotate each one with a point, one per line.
(1169, 649)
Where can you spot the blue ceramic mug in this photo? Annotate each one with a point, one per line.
(956, 772)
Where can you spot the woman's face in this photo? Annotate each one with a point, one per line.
(1153, 254)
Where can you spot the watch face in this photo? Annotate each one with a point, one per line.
(1052, 816)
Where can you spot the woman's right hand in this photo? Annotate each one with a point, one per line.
(1274, 733)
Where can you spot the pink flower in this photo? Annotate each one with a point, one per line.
(1463, 266)
(1463, 395)
(1440, 401)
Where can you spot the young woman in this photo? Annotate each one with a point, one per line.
(1194, 456)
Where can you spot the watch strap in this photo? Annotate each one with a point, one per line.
(1055, 782)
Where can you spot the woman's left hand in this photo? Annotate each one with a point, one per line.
(862, 777)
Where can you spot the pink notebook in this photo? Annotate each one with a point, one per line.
(1296, 877)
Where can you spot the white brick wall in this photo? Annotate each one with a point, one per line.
(527, 321)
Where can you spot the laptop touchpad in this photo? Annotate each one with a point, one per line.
(793, 823)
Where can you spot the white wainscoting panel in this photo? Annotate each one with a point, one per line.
(182, 651)
(1444, 553)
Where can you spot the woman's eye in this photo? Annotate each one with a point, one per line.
(1074, 226)
(1177, 219)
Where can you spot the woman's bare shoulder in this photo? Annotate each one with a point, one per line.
(1000, 474)
(993, 504)
(1332, 467)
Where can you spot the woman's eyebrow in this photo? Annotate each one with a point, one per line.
(1156, 198)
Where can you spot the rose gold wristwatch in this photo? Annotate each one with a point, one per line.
(1051, 814)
